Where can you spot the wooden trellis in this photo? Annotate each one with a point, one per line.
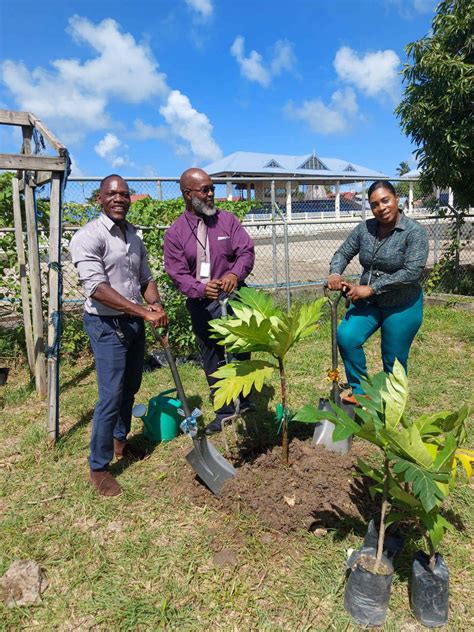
(32, 171)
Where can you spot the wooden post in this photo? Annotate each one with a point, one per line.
(35, 277)
(25, 298)
(54, 313)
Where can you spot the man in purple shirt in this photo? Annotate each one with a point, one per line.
(207, 253)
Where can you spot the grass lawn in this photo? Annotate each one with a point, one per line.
(147, 560)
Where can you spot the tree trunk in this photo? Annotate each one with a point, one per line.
(284, 403)
(382, 517)
(432, 562)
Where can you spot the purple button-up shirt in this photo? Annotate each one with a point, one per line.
(231, 250)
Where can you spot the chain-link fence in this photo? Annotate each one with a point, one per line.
(295, 236)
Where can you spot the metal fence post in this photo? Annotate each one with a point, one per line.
(288, 200)
(337, 201)
(364, 198)
(274, 238)
(287, 256)
(458, 248)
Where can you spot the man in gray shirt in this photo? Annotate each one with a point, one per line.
(113, 269)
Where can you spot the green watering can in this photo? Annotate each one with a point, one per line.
(161, 419)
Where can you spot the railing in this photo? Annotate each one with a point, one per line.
(293, 248)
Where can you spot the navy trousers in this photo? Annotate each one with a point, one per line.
(119, 347)
(213, 354)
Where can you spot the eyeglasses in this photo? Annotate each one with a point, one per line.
(205, 189)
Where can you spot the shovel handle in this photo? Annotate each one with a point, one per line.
(163, 340)
(334, 301)
(161, 334)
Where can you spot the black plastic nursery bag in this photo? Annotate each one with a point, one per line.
(430, 591)
(367, 595)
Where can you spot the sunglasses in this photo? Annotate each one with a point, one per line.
(205, 189)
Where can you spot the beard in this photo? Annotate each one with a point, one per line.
(201, 208)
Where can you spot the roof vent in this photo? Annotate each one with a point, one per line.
(273, 163)
(349, 168)
(313, 163)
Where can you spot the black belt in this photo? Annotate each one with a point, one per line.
(118, 317)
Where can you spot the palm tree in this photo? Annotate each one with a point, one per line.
(403, 168)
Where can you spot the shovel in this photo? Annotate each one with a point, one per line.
(324, 429)
(223, 300)
(211, 467)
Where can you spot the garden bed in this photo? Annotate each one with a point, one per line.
(317, 489)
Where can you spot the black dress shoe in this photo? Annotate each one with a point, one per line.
(214, 427)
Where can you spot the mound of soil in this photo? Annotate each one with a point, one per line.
(316, 490)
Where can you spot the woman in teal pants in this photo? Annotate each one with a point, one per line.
(392, 250)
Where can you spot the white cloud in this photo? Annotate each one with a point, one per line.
(375, 74)
(407, 8)
(108, 147)
(190, 125)
(203, 7)
(253, 66)
(75, 168)
(284, 57)
(122, 68)
(425, 6)
(334, 118)
(59, 103)
(73, 96)
(145, 131)
(120, 161)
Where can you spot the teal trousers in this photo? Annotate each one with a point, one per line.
(398, 326)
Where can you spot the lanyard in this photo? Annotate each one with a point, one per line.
(194, 232)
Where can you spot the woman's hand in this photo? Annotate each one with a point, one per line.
(356, 292)
(335, 282)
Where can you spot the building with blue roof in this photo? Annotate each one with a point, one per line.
(299, 184)
(248, 164)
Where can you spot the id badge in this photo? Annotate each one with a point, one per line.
(205, 271)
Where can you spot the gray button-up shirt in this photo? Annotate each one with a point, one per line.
(102, 254)
(392, 266)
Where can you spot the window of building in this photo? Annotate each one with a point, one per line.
(280, 192)
(349, 168)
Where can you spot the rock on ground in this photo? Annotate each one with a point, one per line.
(22, 584)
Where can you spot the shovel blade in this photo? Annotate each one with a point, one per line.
(211, 467)
(323, 433)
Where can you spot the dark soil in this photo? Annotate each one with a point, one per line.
(317, 489)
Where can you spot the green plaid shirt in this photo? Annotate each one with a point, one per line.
(392, 266)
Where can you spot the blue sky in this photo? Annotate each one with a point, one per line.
(151, 87)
